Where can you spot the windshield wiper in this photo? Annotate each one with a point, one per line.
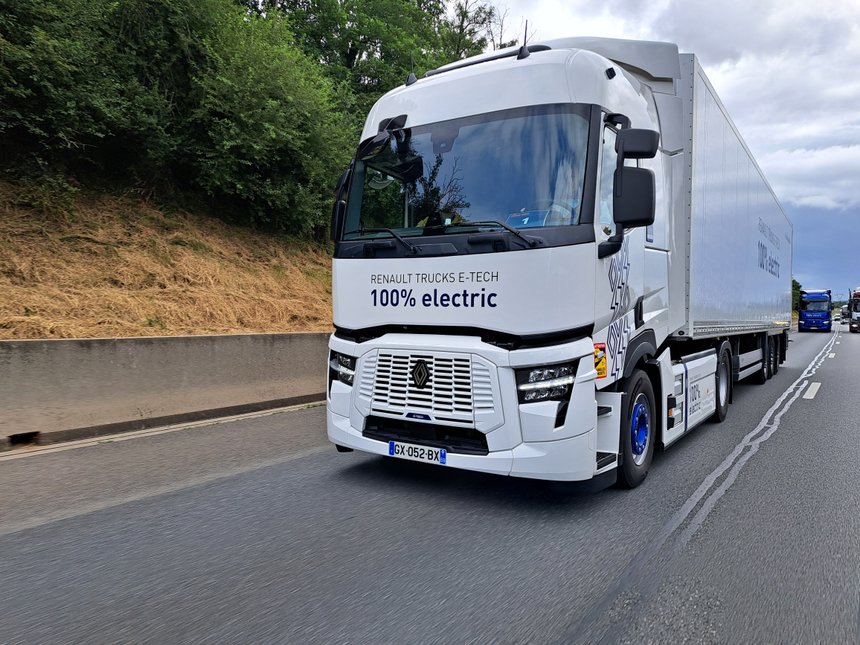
(412, 249)
(531, 241)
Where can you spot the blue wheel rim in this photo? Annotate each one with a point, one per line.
(640, 429)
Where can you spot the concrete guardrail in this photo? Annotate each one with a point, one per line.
(59, 390)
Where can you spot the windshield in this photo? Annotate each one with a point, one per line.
(855, 305)
(523, 168)
(815, 305)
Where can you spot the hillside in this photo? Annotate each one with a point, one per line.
(118, 266)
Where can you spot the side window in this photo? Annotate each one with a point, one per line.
(607, 173)
(656, 233)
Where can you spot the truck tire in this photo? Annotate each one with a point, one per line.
(771, 352)
(638, 430)
(777, 349)
(723, 381)
(761, 377)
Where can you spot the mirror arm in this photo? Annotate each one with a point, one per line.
(611, 246)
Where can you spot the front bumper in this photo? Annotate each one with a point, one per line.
(523, 440)
(814, 325)
(572, 459)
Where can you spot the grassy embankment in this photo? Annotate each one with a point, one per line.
(122, 267)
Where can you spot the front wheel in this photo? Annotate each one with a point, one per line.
(638, 430)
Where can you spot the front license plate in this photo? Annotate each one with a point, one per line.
(417, 453)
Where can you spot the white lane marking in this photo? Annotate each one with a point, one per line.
(812, 391)
(700, 517)
(85, 509)
(766, 427)
(832, 355)
(149, 432)
(735, 460)
(838, 342)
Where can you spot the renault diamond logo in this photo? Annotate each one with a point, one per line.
(420, 374)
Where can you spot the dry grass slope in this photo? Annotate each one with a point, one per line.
(120, 267)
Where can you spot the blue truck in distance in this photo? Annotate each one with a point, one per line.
(814, 310)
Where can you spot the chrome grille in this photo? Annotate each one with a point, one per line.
(482, 388)
(455, 389)
(368, 369)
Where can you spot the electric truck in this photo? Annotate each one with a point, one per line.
(814, 310)
(550, 260)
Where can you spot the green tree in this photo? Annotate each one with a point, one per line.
(465, 33)
(264, 132)
(57, 96)
(795, 293)
(198, 98)
(372, 45)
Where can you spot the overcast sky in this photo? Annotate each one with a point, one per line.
(788, 71)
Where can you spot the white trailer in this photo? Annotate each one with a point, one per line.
(550, 259)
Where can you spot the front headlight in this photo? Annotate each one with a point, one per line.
(551, 383)
(341, 367)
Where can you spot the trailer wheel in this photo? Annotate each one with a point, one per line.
(777, 348)
(723, 384)
(761, 377)
(638, 430)
(768, 358)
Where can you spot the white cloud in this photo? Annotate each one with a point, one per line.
(788, 72)
(734, 29)
(796, 175)
(558, 18)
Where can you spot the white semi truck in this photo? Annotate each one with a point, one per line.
(549, 260)
(853, 311)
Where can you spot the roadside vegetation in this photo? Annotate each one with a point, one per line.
(167, 166)
(119, 266)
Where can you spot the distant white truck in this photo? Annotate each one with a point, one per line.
(853, 310)
(549, 260)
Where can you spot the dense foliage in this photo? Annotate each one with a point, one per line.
(252, 105)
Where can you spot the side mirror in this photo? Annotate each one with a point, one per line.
(632, 143)
(369, 148)
(634, 203)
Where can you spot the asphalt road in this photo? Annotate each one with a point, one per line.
(256, 531)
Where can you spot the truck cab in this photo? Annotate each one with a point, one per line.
(814, 310)
(853, 311)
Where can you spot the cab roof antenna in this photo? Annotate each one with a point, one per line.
(524, 50)
(411, 78)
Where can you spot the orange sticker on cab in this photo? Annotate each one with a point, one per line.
(600, 359)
